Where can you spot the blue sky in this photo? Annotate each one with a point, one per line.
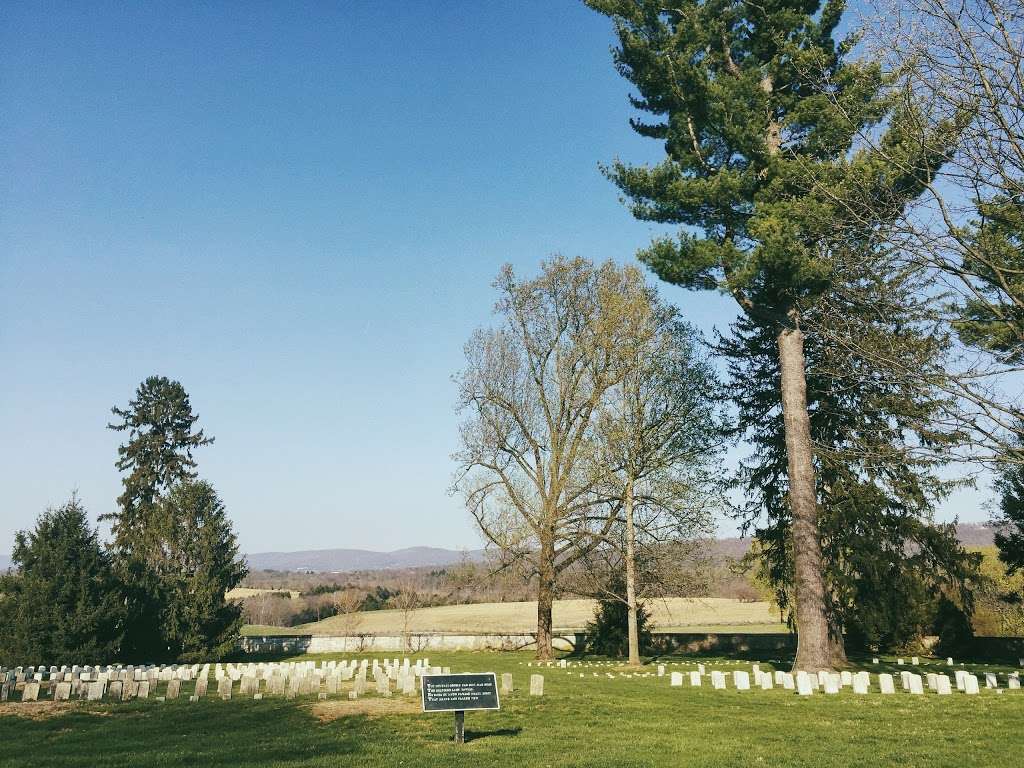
(296, 210)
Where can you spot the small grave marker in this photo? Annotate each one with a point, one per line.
(536, 685)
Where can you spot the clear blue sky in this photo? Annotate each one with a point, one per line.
(296, 210)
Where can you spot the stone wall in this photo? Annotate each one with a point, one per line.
(664, 642)
(414, 643)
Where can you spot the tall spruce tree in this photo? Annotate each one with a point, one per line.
(200, 565)
(62, 603)
(885, 561)
(759, 109)
(157, 455)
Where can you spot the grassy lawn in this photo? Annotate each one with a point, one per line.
(588, 721)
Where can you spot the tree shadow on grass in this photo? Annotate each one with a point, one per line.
(477, 735)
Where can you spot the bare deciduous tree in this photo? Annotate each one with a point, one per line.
(958, 65)
(349, 603)
(530, 469)
(660, 432)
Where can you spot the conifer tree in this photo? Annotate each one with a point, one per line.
(885, 560)
(759, 109)
(200, 565)
(61, 604)
(1010, 518)
(157, 455)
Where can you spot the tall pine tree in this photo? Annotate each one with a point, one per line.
(157, 455)
(876, 444)
(62, 603)
(759, 108)
(200, 565)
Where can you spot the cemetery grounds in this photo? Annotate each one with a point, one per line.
(594, 712)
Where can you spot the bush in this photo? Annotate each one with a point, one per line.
(608, 633)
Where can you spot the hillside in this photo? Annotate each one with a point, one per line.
(327, 560)
(720, 614)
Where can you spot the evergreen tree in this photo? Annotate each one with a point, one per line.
(1010, 520)
(61, 605)
(609, 632)
(199, 566)
(885, 561)
(993, 314)
(759, 109)
(158, 453)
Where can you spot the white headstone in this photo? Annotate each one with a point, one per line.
(916, 684)
(970, 684)
(886, 683)
(695, 679)
(536, 685)
(741, 680)
(991, 681)
(942, 685)
(804, 686)
(676, 679)
(860, 683)
(718, 680)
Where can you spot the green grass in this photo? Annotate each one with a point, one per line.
(591, 721)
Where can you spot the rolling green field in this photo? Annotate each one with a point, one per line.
(580, 721)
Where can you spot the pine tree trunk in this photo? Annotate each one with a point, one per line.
(813, 644)
(634, 633)
(545, 599)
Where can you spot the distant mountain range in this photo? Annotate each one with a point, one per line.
(325, 560)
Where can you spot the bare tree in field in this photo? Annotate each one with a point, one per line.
(349, 603)
(530, 467)
(406, 600)
(660, 431)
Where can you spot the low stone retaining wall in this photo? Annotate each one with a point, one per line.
(663, 642)
(415, 643)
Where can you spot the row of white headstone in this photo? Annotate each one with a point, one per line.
(806, 683)
(281, 678)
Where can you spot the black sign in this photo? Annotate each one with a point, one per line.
(455, 693)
